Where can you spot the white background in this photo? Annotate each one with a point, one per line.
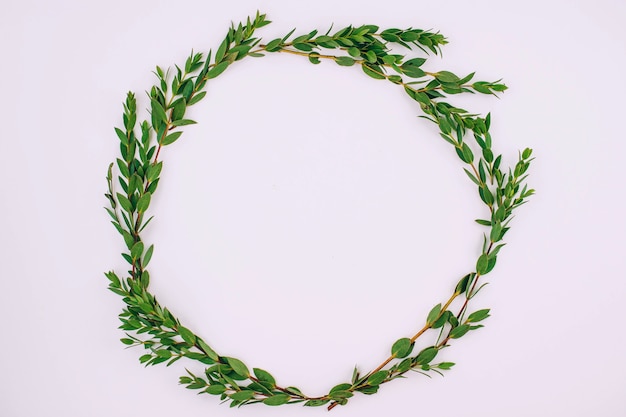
(310, 219)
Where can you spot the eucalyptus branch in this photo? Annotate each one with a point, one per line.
(152, 326)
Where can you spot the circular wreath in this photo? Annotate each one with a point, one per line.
(165, 339)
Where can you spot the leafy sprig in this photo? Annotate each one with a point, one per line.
(166, 340)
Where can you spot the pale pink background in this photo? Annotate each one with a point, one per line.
(310, 219)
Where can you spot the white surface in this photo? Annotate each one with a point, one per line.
(310, 219)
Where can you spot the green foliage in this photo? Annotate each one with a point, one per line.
(153, 327)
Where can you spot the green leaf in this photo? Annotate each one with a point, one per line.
(354, 52)
(368, 29)
(499, 87)
(145, 307)
(305, 37)
(323, 38)
(195, 356)
(240, 51)
(483, 222)
(303, 47)
(196, 98)
(485, 195)
(314, 58)
(121, 135)
(402, 348)
(461, 287)
(128, 239)
(134, 184)
(415, 62)
(198, 383)
(154, 171)
(163, 353)
(445, 365)
(136, 251)
(391, 59)
(230, 378)
(242, 395)
(238, 366)
(459, 331)
(115, 281)
(445, 126)
(284, 39)
(442, 320)
(147, 256)
(396, 79)
(264, 376)
(274, 45)
(467, 153)
(144, 202)
(472, 177)
(278, 399)
(496, 250)
(127, 341)
(413, 72)
(207, 349)
(216, 70)
(481, 87)
(527, 153)
(467, 78)
(426, 355)
(158, 113)
(377, 378)
(491, 263)
(216, 389)
(221, 50)
(389, 37)
(405, 365)
(482, 263)
(446, 77)
(373, 71)
(124, 202)
(340, 387)
(488, 155)
(417, 96)
(171, 138)
(123, 168)
(496, 232)
(340, 395)
(345, 61)
(259, 387)
(178, 108)
(187, 335)
(316, 403)
(477, 316)
(433, 315)
(481, 170)
(145, 358)
(183, 122)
